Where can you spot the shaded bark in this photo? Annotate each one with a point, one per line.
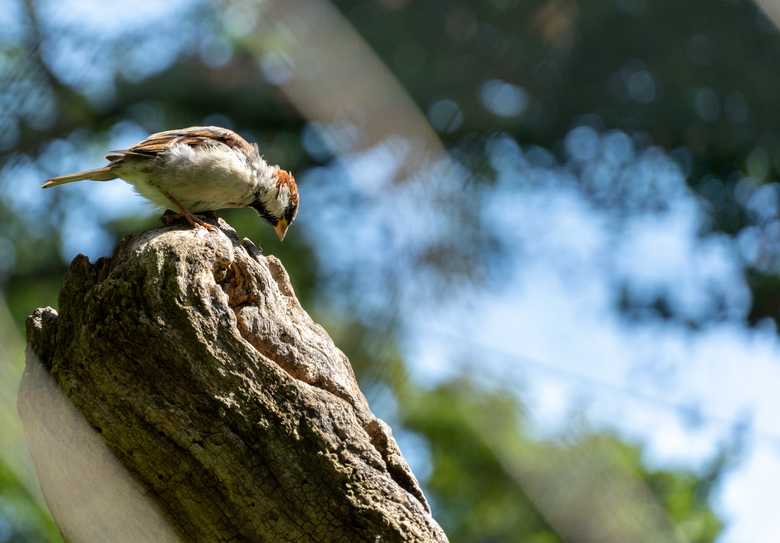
(190, 355)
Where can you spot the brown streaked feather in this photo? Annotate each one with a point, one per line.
(285, 178)
(195, 136)
(98, 174)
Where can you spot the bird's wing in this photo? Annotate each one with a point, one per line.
(195, 136)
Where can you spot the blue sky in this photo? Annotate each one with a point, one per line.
(547, 316)
(545, 321)
(546, 312)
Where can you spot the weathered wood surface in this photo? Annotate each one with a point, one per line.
(190, 355)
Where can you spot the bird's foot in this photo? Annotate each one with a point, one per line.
(169, 218)
(197, 221)
(192, 219)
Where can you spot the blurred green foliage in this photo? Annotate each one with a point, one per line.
(22, 519)
(696, 77)
(485, 462)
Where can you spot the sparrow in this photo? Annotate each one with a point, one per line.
(197, 169)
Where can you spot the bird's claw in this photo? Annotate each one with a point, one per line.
(169, 218)
(208, 226)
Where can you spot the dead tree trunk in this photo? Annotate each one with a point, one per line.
(190, 356)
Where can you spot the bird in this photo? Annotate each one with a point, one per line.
(198, 169)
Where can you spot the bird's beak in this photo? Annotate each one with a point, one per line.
(281, 229)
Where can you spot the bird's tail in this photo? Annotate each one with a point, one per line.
(99, 174)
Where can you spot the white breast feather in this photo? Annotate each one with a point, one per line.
(276, 200)
(209, 177)
(204, 178)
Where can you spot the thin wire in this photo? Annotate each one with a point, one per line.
(562, 373)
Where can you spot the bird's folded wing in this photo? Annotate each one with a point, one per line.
(196, 136)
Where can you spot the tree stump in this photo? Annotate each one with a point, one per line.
(230, 412)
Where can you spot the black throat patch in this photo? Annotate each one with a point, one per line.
(264, 213)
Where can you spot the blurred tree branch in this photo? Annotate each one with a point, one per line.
(259, 107)
(194, 361)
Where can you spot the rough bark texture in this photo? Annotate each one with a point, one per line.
(191, 356)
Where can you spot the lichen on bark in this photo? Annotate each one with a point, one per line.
(191, 356)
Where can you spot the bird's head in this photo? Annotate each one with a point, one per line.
(278, 202)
